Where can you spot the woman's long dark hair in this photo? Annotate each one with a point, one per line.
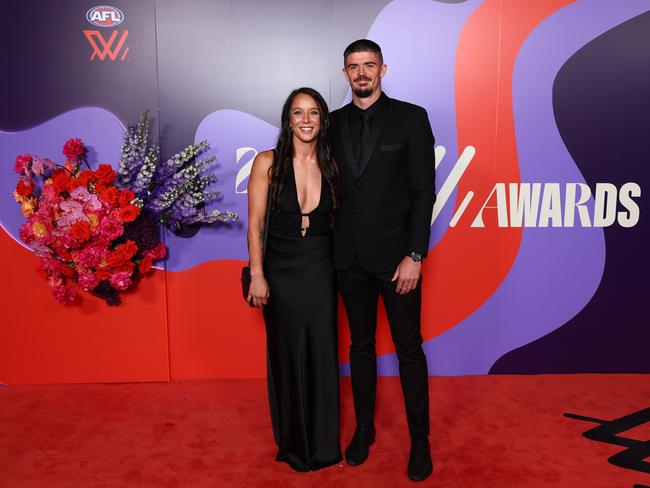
(284, 150)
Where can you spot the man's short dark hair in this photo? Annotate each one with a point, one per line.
(363, 45)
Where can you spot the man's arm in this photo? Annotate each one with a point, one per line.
(421, 174)
(421, 168)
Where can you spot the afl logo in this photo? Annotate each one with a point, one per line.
(105, 16)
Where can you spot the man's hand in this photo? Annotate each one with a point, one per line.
(407, 275)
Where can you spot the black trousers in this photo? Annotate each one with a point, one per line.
(360, 291)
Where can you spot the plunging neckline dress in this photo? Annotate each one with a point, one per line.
(300, 319)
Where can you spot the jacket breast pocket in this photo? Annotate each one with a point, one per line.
(392, 147)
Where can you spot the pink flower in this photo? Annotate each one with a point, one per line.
(72, 212)
(110, 228)
(120, 280)
(54, 281)
(25, 233)
(22, 164)
(38, 229)
(64, 294)
(49, 267)
(87, 281)
(37, 166)
(40, 249)
(89, 201)
(50, 196)
(80, 194)
(90, 256)
(63, 238)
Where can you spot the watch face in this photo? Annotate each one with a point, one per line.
(415, 256)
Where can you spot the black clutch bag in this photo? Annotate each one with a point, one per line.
(246, 270)
(246, 281)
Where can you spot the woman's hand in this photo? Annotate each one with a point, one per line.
(259, 291)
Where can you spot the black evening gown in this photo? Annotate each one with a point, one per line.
(301, 333)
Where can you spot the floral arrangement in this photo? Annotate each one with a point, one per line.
(98, 230)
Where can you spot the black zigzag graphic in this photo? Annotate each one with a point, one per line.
(608, 430)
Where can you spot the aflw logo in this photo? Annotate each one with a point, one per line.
(105, 16)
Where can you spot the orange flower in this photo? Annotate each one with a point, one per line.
(29, 206)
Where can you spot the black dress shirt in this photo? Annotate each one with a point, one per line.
(374, 113)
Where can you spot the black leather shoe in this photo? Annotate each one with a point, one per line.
(357, 451)
(420, 464)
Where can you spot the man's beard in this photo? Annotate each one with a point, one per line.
(362, 92)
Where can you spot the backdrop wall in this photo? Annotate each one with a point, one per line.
(538, 258)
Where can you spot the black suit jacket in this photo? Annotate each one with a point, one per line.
(387, 201)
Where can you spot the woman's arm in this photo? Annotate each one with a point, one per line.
(258, 189)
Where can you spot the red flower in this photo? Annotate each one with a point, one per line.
(127, 267)
(158, 252)
(145, 264)
(105, 174)
(80, 230)
(66, 270)
(128, 249)
(24, 189)
(82, 179)
(110, 195)
(102, 274)
(126, 197)
(74, 149)
(22, 164)
(129, 213)
(63, 253)
(116, 259)
(60, 180)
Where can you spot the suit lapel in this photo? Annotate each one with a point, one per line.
(375, 131)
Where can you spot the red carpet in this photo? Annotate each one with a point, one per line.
(488, 431)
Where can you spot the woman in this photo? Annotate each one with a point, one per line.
(295, 284)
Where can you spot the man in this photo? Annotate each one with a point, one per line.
(384, 150)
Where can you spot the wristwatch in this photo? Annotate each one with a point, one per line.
(417, 257)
